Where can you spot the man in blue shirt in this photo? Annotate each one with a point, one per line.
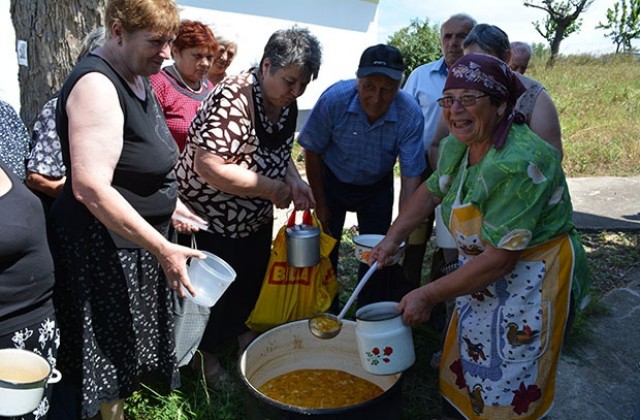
(352, 138)
(425, 84)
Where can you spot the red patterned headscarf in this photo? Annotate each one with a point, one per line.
(492, 76)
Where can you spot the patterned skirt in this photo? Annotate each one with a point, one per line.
(114, 310)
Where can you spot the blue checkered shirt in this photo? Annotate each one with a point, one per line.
(356, 151)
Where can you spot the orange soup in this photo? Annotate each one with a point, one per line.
(324, 324)
(320, 388)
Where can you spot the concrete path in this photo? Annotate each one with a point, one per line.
(600, 203)
(606, 203)
(601, 379)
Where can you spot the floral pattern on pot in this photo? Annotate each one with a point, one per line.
(376, 355)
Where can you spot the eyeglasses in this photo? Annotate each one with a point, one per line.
(464, 100)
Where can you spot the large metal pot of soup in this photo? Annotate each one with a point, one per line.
(23, 377)
(324, 378)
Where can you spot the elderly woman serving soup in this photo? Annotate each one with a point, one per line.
(506, 201)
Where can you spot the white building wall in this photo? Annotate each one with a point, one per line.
(344, 27)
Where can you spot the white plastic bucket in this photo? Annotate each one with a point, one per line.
(23, 376)
(210, 278)
(443, 236)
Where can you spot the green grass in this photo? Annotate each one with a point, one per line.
(194, 400)
(598, 100)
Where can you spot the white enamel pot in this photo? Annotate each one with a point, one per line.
(23, 377)
(363, 244)
(385, 343)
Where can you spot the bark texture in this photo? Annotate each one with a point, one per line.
(53, 30)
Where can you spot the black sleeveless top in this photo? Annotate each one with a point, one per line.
(144, 173)
(26, 266)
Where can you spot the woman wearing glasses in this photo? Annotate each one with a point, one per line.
(506, 203)
(535, 105)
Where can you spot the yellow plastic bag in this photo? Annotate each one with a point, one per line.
(290, 293)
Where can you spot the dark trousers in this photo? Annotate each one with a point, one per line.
(373, 205)
(417, 246)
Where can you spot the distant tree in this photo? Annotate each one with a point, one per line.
(53, 31)
(562, 21)
(623, 24)
(540, 53)
(419, 43)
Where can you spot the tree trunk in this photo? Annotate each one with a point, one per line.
(555, 43)
(53, 31)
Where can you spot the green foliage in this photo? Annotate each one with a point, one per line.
(580, 334)
(561, 21)
(548, 28)
(419, 43)
(194, 400)
(623, 24)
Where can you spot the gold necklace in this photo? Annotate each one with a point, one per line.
(184, 83)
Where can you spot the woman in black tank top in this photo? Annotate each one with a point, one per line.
(27, 318)
(109, 224)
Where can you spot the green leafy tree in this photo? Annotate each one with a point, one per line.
(419, 43)
(562, 21)
(623, 24)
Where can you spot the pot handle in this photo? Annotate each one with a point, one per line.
(307, 218)
(292, 219)
(55, 377)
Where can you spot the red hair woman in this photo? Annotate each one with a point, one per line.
(181, 86)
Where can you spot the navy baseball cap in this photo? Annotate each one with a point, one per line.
(381, 59)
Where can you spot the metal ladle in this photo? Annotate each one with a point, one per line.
(326, 325)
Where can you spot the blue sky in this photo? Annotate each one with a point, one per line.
(510, 15)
